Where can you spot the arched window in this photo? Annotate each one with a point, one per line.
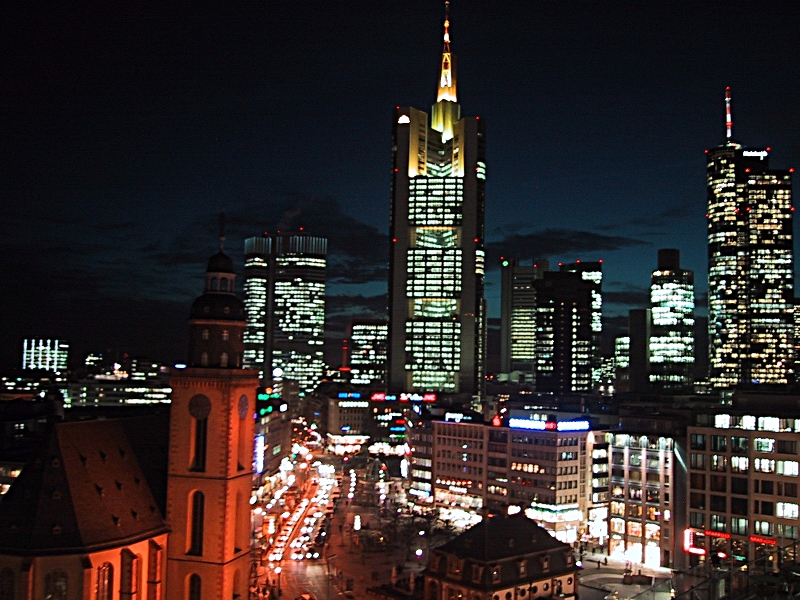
(197, 503)
(223, 359)
(205, 334)
(6, 584)
(155, 556)
(55, 585)
(204, 359)
(130, 575)
(199, 409)
(225, 335)
(105, 581)
(194, 586)
(214, 284)
(223, 284)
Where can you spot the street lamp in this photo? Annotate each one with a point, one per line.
(278, 572)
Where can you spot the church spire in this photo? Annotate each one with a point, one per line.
(446, 112)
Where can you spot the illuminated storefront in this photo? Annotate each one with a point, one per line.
(640, 512)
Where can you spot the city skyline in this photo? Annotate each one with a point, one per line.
(127, 136)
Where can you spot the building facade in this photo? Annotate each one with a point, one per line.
(436, 266)
(518, 318)
(502, 557)
(592, 272)
(45, 354)
(744, 498)
(564, 336)
(284, 290)
(671, 332)
(368, 356)
(210, 466)
(750, 267)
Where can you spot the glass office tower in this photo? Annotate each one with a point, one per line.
(750, 267)
(436, 305)
(671, 336)
(284, 284)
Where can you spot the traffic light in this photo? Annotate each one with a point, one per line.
(267, 401)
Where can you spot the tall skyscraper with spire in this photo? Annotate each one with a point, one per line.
(750, 266)
(436, 270)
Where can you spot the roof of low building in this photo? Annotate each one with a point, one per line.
(499, 537)
(83, 492)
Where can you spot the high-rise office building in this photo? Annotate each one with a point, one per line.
(592, 272)
(284, 286)
(436, 269)
(671, 335)
(518, 318)
(564, 336)
(750, 266)
(368, 352)
(45, 354)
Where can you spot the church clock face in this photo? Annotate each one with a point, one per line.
(243, 407)
(200, 407)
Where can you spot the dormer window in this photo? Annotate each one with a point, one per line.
(496, 574)
(523, 568)
(477, 573)
(545, 563)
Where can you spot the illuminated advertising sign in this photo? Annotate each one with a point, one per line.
(349, 394)
(353, 404)
(456, 417)
(259, 453)
(757, 539)
(758, 153)
(404, 397)
(688, 543)
(717, 534)
(517, 423)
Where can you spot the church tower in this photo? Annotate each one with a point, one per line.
(211, 449)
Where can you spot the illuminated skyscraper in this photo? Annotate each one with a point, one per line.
(750, 266)
(672, 310)
(368, 352)
(284, 285)
(436, 305)
(47, 355)
(518, 318)
(593, 272)
(564, 334)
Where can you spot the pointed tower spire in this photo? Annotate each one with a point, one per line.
(447, 75)
(728, 118)
(446, 112)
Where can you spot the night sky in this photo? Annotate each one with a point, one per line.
(127, 127)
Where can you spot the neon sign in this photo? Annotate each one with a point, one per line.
(757, 539)
(404, 397)
(517, 423)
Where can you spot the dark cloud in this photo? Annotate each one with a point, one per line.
(626, 295)
(660, 220)
(564, 243)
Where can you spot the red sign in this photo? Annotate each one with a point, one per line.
(717, 534)
(757, 539)
(497, 421)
